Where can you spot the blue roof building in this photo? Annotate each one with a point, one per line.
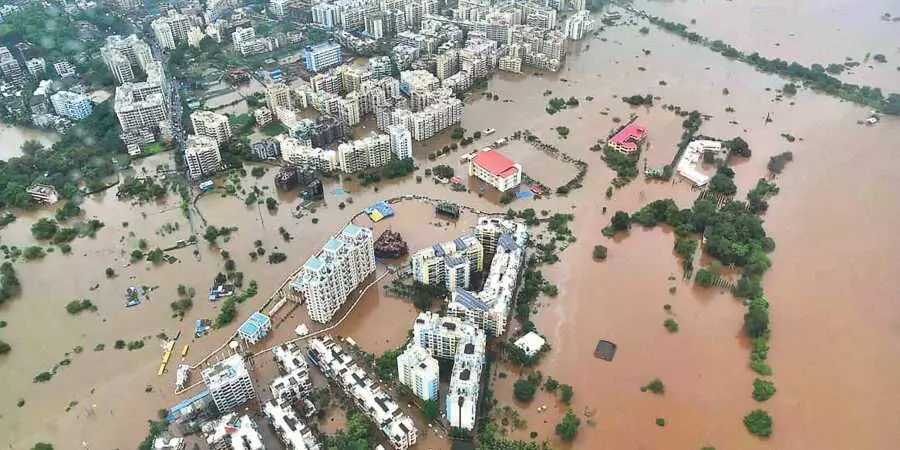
(255, 328)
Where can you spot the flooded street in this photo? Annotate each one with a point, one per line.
(832, 287)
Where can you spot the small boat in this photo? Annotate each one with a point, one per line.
(489, 131)
(185, 350)
(132, 302)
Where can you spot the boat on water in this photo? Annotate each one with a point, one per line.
(489, 131)
(132, 302)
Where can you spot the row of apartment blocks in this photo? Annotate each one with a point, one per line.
(445, 338)
(327, 279)
(373, 151)
(497, 240)
(230, 385)
(371, 399)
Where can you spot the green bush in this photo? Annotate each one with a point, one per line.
(599, 252)
(758, 423)
(566, 393)
(523, 390)
(763, 389)
(671, 325)
(655, 386)
(76, 306)
(567, 429)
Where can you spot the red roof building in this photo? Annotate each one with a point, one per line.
(496, 169)
(629, 138)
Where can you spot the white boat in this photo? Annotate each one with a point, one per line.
(489, 131)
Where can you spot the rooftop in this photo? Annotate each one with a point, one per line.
(629, 136)
(496, 163)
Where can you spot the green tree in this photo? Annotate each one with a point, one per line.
(705, 277)
(356, 434)
(4, 348)
(620, 221)
(739, 147)
(685, 247)
(271, 204)
(431, 409)
(655, 386)
(600, 252)
(42, 446)
(722, 184)
(523, 390)
(566, 393)
(759, 423)
(567, 429)
(756, 320)
(156, 255)
(44, 229)
(386, 365)
(763, 389)
(671, 325)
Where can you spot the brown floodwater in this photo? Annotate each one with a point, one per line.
(12, 138)
(832, 285)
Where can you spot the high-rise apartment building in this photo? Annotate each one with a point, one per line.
(300, 154)
(12, 71)
(71, 105)
(140, 107)
(229, 383)
(489, 308)
(123, 54)
(447, 64)
(278, 99)
(429, 265)
(171, 29)
(36, 66)
(361, 154)
(322, 56)
(327, 279)
(418, 370)
(401, 141)
(451, 338)
(579, 25)
(430, 120)
(64, 68)
(202, 156)
(210, 124)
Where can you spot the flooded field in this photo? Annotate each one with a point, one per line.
(12, 138)
(832, 285)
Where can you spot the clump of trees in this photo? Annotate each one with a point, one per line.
(739, 147)
(77, 306)
(759, 423)
(655, 386)
(567, 429)
(386, 365)
(524, 388)
(600, 252)
(639, 100)
(625, 165)
(763, 389)
(723, 182)
(671, 325)
(777, 162)
(443, 171)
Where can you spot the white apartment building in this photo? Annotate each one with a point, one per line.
(322, 56)
(294, 383)
(348, 110)
(359, 155)
(401, 141)
(327, 279)
(71, 105)
(278, 98)
(233, 432)
(10, 67)
(429, 265)
(202, 156)
(495, 169)
(451, 338)
(540, 16)
(171, 29)
(262, 116)
(431, 120)
(489, 309)
(301, 154)
(36, 66)
(479, 57)
(446, 64)
(418, 370)
(229, 383)
(352, 77)
(325, 14)
(418, 81)
(371, 399)
(64, 68)
(579, 25)
(121, 54)
(293, 432)
(380, 66)
(278, 8)
(142, 106)
(329, 82)
(210, 124)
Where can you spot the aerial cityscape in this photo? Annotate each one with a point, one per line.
(449, 224)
